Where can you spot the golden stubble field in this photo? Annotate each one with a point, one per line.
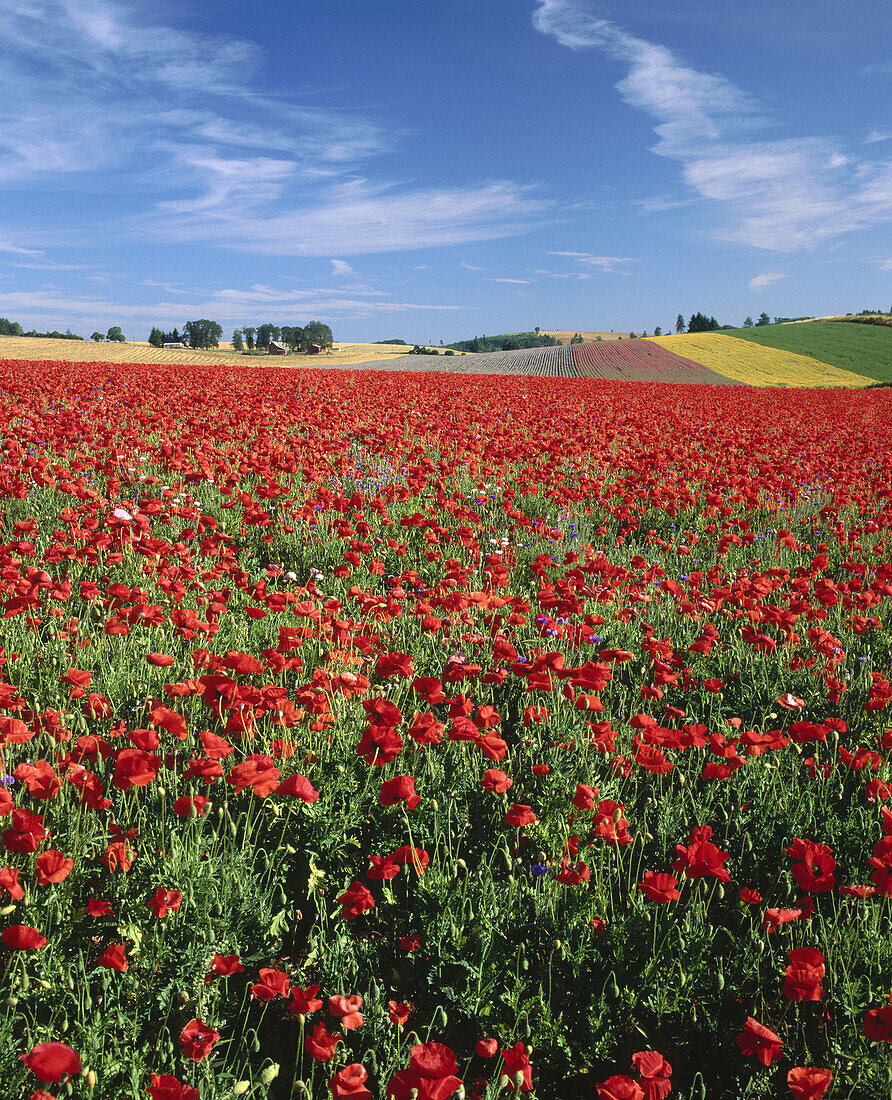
(86, 351)
(565, 336)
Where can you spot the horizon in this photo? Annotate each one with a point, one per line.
(433, 173)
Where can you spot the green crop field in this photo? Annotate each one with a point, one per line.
(864, 349)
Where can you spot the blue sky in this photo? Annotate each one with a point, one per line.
(438, 169)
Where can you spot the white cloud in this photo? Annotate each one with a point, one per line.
(759, 282)
(523, 282)
(341, 267)
(106, 90)
(877, 135)
(886, 265)
(470, 267)
(16, 250)
(607, 264)
(783, 195)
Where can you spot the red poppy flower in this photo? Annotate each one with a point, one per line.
(97, 908)
(135, 768)
(355, 900)
(300, 787)
(749, 896)
(258, 772)
(22, 937)
(519, 815)
(272, 984)
(51, 867)
(774, 918)
(399, 789)
(398, 1012)
(198, 1039)
(487, 1047)
(349, 1083)
(167, 1087)
(224, 966)
(114, 958)
(758, 1040)
(517, 1061)
(431, 1073)
(655, 1074)
(585, 796)
(9, 881)
(320, 1045)
(659, 887)
(184, 805)
(878, 1024)
(160, 660)
(54, 1062)
(164, 902)
(619, 1087)
(348, 1010)
(118, 856)
(809, 1083)
(304, 1001)
(496, 781)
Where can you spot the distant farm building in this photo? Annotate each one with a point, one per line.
(276, 349)
(179, 345)
(315, 349)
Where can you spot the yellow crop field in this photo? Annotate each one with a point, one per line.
(755, 365)
(565, 336)
(86, 351)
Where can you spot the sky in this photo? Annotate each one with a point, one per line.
(432, 170)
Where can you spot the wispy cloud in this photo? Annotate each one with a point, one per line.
(759, 282)
(607, 264)
(341, 267)
(886, 265)
(470, 267)
(877, 135)
(16, 250)
(522, 282)
(107, 91)
(786, 194)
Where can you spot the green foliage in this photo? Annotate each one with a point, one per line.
(238, 341)
(98, 337)
(861, 348)
(10, 328)
(764, 319)
(115, 335)
(699, 322)
(497, 343)
(202, 334)
(389, 341)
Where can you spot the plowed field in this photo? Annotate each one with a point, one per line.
(641, 361)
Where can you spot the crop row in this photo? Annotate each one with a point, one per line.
(640, 361)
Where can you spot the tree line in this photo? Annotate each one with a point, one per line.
(512, 341)
(206, 334)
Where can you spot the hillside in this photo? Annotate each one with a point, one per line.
(859, 348)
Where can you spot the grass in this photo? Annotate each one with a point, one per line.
(862, 349)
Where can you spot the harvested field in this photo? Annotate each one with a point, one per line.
(641, 361)
(556, 362)
(86, 351)
(565, 336)
(755, 365)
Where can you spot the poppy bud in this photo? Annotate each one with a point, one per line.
(270, 1073)
(240, 1088)
(90, 1080)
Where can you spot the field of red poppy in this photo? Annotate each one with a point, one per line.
(363, 738)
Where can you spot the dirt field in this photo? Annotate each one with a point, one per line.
(86, 351)
(588, 337)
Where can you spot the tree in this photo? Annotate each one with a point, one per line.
(264, 335)
(575, 338)
(156, 338)
(10, 328)
(764, 319)
(699, 322)
(748, 323)
(315, 332)
(658, 331)
(679, 323)
(292, 336)
(202, 334)
(238, 342)
(98, 337)
(115, 334)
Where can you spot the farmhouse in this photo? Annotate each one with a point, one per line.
(276, 349)
(177, 345)
(315, 349)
